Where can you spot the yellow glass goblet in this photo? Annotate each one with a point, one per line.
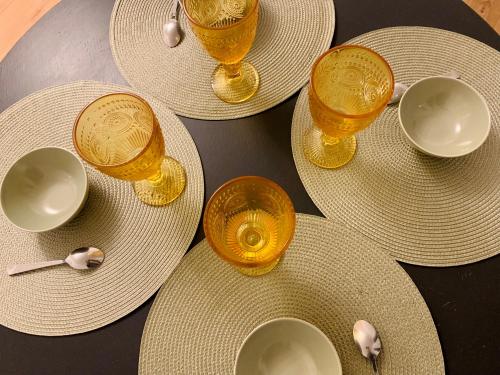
(226, 28)
(350, 86)
(249, 222)
(119, 135)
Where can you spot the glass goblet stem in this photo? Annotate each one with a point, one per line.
(164, 186)
(233, 70)
(328, 140)
(158, 178)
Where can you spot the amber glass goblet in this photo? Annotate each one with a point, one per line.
(226, 28)
(249, 222)
(119, 135)
(350, 86)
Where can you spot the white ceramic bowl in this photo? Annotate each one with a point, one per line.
(44, 189)
(444, 117)
(287, 346)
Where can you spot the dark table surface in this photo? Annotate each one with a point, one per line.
(71, 43)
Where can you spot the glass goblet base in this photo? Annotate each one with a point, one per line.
(235, 89)
(258, 271)
(167, 188)
(327, 152)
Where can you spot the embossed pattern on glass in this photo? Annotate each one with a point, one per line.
(226, 29)
(120, 136)
(350, 86)
(250, 221)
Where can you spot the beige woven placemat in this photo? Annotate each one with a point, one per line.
(419, 209)
(330, 276)
(143, 244)
(291, 34)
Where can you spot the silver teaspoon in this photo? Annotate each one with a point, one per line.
(79, 259)
(172, 28)
(368, 341)
(400, 88)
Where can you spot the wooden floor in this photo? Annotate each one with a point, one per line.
(17, 17)
(489, 10)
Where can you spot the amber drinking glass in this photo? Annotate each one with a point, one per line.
(226, 28)
(249, 222)
(350, 86)
(119, 135)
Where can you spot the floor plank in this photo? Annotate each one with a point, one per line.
(489, 10)
(17, 17)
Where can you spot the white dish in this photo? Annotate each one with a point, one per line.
(44, 189)
(444, 117)
(287, 346)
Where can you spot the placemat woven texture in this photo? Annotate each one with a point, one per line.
(290, 35)
(419, 209)
(143, 244)
(330, 276)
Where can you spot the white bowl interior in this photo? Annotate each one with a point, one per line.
(287, 346)
(44, 189)
(444, 117)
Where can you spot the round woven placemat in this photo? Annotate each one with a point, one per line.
(330, 276)
(421, 210)
(291, 34)
(143, 244)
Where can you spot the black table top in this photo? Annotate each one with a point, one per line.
(71, 43)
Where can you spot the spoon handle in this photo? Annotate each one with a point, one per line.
(374, 364)
(20, 268)
(173, 12)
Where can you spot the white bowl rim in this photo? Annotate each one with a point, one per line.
(460, 81)
(284, 319)
(67, 218)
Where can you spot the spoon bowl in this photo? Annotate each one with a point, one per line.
(171, 32)
(85, 258)
(368, 341)
(172, 29)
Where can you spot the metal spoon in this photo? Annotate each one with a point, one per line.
(400, 88)
(172, 28)
(368, 341)
(79, 259)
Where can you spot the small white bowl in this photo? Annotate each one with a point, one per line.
(44, 189)
(444, 117)
(287, 346)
